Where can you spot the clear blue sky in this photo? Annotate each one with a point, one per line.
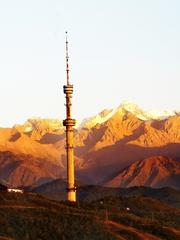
(119, 50)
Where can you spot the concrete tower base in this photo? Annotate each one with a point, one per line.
(71, 196)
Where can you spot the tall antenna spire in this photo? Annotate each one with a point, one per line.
(69, 123)
(67, 60)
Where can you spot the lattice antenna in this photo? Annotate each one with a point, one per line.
(67, 60)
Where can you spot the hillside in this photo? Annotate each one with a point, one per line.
(57, 190)
(153, 172)
(106, 144)
(31, 216)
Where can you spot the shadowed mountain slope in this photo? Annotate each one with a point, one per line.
(154, 172)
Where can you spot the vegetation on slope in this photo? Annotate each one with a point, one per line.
(31, 216)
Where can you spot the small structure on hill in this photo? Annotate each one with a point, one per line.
(16, 190)
(3, 188)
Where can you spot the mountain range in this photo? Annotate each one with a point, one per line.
(121, 147)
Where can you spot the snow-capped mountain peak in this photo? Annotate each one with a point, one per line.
(146, 115)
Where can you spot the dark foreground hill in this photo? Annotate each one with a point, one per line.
(57, 190)
(166, 195)
(31, 216)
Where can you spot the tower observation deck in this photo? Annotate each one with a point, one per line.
(69, 123)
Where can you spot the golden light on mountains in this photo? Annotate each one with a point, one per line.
(108, 148)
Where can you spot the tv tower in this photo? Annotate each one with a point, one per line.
(69, 123)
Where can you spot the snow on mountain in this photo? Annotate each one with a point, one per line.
(97, 119)
(129, 107)
(56, 124)
(162, 114)
(146, 115)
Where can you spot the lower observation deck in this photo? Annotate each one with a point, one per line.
(68, 89)
(69, 122)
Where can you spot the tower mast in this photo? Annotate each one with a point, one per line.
(69, 123)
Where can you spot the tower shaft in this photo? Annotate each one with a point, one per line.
(69, 123)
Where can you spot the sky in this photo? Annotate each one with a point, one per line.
(119, 50)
